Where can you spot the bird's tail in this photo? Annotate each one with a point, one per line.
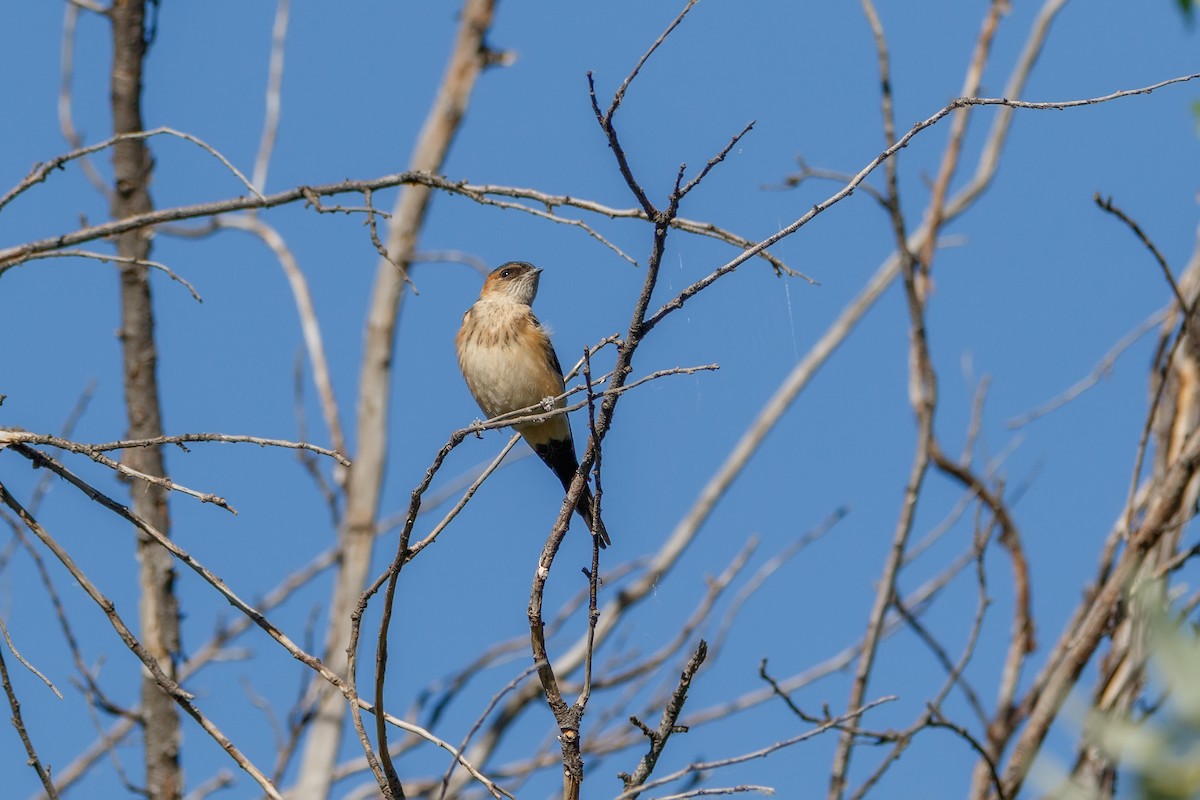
(559, 455)
(586, 508)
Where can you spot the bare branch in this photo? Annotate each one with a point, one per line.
(41, 171)
(510, 686)
(10, 256)
(272, 104)
(958, 129)
(89, 5)
(8, 640)
(606, 119)
(314, 342)
(469, 57)
(66, 122)
(15, 706)
(431, 537)
(1185, 308)
(222, 780)
(228, 438)
(861, 175)
(1102, 370)
(482, 198)
(717, 159)
(769, 568)
(41, 459)
(25, 438)
(619, 95)
(705, 766)
(1072, 654)
(725, 790)
(667, 725)
(105, 258)
(160, 677)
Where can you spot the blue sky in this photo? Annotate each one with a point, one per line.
(1032, 289)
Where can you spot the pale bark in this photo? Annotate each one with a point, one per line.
(365, 478)
(159, 610)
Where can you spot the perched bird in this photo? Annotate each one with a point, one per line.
(508, 362)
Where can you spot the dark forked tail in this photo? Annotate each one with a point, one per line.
(559, 455)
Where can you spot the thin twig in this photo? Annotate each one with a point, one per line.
(17, 253)
(227, 438)
(824, 348)
(432, 536)
(936, 720)
(41, 171)
(705, 766)
(667, 725)
(469, 57)
(951, 156)
(719, 791)
(1102, 370)
(18, 722)
(771, 566)
(266, 143)
(23, 438)
(1080, 642)
(25, 663)
(105, 258)
(222, 780)
(1185, 308)
(66, 121)
(169, 686)
(861, 175)
(593, 574)
(43, 460)
(310, 328)
(510, 686)
(715, 588)
(619, 94)
(65, 432)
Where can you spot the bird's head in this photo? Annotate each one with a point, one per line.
(516, 281)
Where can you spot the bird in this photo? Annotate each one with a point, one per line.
(509, 363)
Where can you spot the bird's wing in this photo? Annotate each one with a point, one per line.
(548, 348)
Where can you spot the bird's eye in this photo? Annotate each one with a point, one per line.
(506, 274)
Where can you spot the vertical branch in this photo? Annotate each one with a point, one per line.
(922, 385)
(365, 479)
(847, 321)
(274, 91)
(958, 131)
(132, 165)
(1091, 626)
(568, 722)
(66, 121)
(667, 725)
(1173, 417)
(885, 592)
(594, 573)
(15, 706)
(922, 391)
(567, 717)
(310, 327)
(886, 101)
(157, 671)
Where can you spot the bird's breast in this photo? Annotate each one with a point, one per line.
(502, 354)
